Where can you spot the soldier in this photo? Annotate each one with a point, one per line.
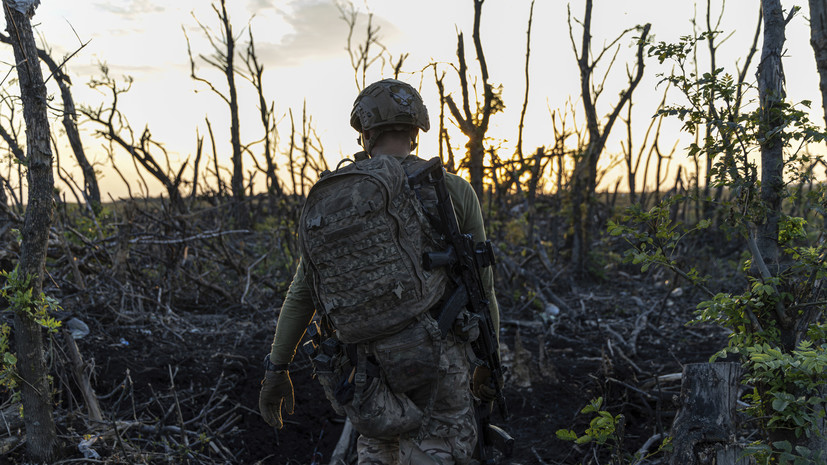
(415, 364)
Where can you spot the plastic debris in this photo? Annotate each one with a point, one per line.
(550, 313)
(85, 447)
(77, 328)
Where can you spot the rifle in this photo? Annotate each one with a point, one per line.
(464, 258)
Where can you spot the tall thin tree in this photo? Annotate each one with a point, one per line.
(771, 96)
(41, 436)
(585, 169)
(474, 124)
(223, 59)
(818, 40)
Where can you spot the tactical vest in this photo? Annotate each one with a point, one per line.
(363, 231)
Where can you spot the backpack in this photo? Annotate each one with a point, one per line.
(362, 234)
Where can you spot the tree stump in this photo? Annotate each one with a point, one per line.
(704, 430)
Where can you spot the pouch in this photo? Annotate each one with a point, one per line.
(409, 359)
(382, 413)
(330, 366)
(329, 381)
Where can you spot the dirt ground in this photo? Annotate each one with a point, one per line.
(200, 372)
(176, 369)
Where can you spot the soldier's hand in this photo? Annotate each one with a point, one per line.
(481, 385)
(276, 388)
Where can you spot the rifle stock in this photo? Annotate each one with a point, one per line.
(498, 438)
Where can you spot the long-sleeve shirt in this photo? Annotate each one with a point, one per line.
(297, 310)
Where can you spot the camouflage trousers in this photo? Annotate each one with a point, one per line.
(450, 433)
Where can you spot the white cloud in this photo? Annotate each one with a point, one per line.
(130, 9)
(257, 6)
(314, 31)
(317, 32)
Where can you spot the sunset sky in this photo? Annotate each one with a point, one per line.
(302, 45)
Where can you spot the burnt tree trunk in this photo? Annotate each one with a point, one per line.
(237, 179)
(82, 373)
(818, 40)
(584, 182)
(793, 325)
(474, 123)
(41, 438)
(4, 200)
(704, 429)
(223, 59)
(771, 93)
(70, 124)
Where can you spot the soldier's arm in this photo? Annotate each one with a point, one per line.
(469, 217)
(296, 313)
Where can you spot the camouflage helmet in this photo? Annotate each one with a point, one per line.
(389, 102)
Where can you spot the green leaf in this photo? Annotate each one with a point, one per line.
(783, 446)
(779, 405)
(585, 439)
(566, 435)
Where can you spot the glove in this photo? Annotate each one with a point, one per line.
(276, 387)
(480, 385)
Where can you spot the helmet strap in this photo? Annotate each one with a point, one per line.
(371, 141)
(376, 133)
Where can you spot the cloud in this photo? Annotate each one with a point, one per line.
(130, 9)
(317, 32)
(120, 70)
(257, 6)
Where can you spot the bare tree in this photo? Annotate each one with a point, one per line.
(142, 148)
(793, 324)
(731, 113)
(633, 160)
(91, 191)
(4, 200)
(266, 114)
(41, 436)
(527, 82)
(818, 40)
(585, 169)
(771, 95)
(15, 157)
(223, 59)
(444, 137)
(517, 166)
(199, 150)
(536, 165)
(305, 156)
(474, 124)
(291, 158)
(10, 132)
(312, 162)
(365, 54)
(220, 187)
